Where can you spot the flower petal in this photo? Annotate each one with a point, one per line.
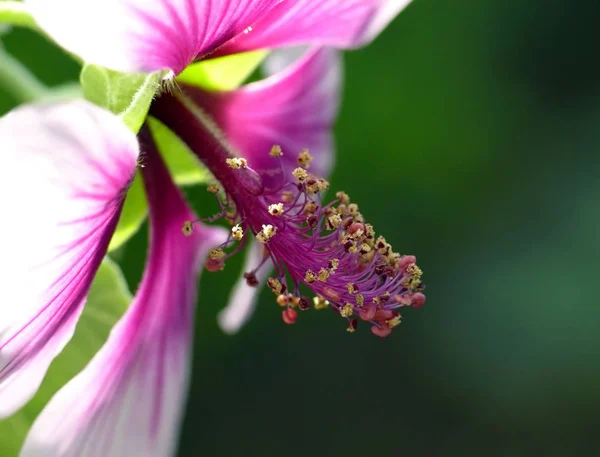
(242, 301)
(144, 35)
(294, 108)
(65, 170)
(337, 23)
(129, 400)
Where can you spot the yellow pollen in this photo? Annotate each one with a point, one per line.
(187, 228)
(275, 285)
(320, 302)
(343, 197)
(237, 163)
(237, 232)
(276, 151)
(334, 221)
(365, 249)
(267, 232)
(300, 174)
(276, 209)
(353, 209)
(282, 300)
(311, 207)
(360, 299)
(310, 277)
(351, 288)
(350, 329)
(393, 322)
(334, 263)
(323, 185)
(304, 158)
(213, 188)
(346, 310)
(217, 254)
(323, 275)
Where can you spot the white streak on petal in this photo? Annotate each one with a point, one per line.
(242, 300)
(64, 172)
(129, 400)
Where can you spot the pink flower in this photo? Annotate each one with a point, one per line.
(80, 161)
(152, 35)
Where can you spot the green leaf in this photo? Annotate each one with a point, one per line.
(133, 215)
(223, 73)
(127, 95)
(185, 168)
(107, 301)
(16, 13)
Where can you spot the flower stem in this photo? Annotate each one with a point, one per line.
(16, 13)
(17, 80)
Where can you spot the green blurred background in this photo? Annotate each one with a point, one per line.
(469, 133)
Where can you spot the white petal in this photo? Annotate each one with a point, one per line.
(129, 400)
(242, 300)
(64, 172)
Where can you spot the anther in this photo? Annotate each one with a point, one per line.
(276, 151)
(323, 275)
(352, 325)
(213, 188)
(276, 286)
(343, 197)
(251, 279)
(320, 302)
(217, 254)
(304, 158)
(304, 303)
(310, 277)
(237, 233)
(276, 209)
(300, 174)
(267, 232)
(187, 228)
(346, 310)
(236, 163)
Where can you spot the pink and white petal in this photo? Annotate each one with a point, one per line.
(65, 170)
(129, 400)
(146, 35)
(242, 301)
(295, 108)
(387, 11)
(337, 23)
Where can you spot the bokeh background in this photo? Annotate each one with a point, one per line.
(469, 134)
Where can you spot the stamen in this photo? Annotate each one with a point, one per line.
(236, 163)
(187, 228)
(276, 209)
(276, 151)
(304, 159)
(237, 232)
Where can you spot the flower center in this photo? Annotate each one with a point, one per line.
(325, 250)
